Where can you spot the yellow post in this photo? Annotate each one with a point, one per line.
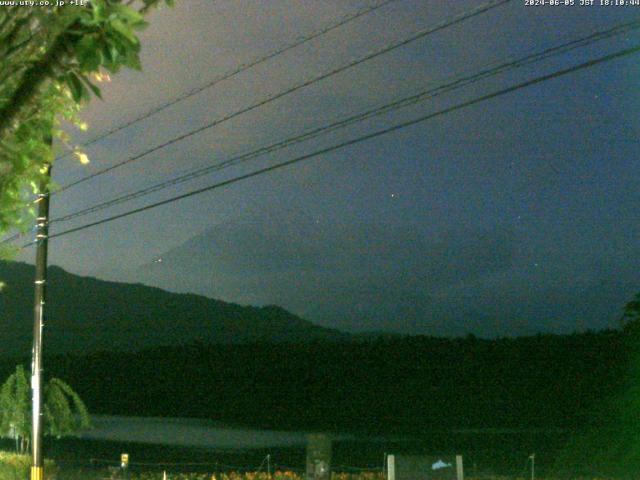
(37, 473)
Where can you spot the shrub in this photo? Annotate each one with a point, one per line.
(14, 466)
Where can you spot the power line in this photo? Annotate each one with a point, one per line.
(13, 237)
(399, 126)
(242, 68)
(598, 35)
(386, 49)
(400, 103)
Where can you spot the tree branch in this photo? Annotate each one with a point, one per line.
(31, 82)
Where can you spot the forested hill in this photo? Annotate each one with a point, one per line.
(87, 315)
(185, 355)
(404, 385)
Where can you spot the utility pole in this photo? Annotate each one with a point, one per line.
(42, 235)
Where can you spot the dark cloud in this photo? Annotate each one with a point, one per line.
(502, 218)
(359, 272)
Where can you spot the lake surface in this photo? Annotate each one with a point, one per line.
(186, 432)
(182, 444)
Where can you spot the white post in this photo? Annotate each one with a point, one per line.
(391, 467)
(459, 468)
(533, 466)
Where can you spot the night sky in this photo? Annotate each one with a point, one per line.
(514, 216)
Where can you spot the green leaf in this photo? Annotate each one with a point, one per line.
(110, 51)
(119, 26)
(92, 87)
(99, 12)
(127, 13)
(101, 35)
(132, 60)
(78, 90)
(88, 54)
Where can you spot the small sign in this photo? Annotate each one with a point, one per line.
(318, 457)
(424, 467)
(440, 464)
(124, 460)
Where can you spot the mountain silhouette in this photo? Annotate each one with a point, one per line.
(85, 314)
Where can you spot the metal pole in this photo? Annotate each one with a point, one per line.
(533, 466)
(391, 467)
(42, 233)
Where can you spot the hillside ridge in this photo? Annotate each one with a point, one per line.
(87, 314)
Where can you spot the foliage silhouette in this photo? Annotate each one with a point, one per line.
(64, 412)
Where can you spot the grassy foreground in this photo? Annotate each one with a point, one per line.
(16, 467)
(278, 475)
